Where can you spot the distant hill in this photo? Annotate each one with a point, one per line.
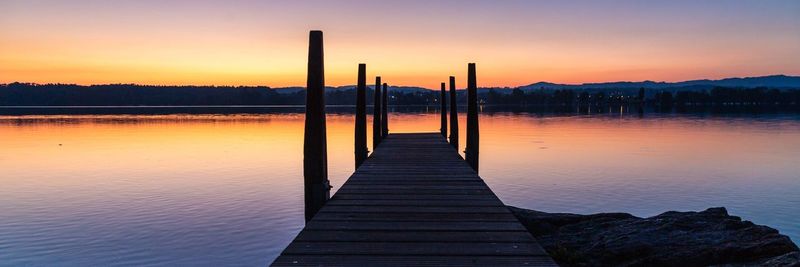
(773, 81)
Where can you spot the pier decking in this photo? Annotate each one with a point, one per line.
(414, 201)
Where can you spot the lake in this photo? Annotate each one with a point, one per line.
(209, 187)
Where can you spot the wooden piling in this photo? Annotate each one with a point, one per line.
(453, 114)
(376, 115)
(443, 100)
(361, 116)
(385, 112)
(315, 154)
(473, 133)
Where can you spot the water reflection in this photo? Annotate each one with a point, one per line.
(226, 189)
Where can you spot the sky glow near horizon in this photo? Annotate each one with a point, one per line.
(415, 43)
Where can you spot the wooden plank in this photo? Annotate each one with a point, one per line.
(416, 236)
(341, 195)
(412, 182)
(415, 248)
(409, 178)
(413, 216)
(415, 187)
(415, 226)
(396, 209)
(419, 203)
(363, 260)
(417, 191)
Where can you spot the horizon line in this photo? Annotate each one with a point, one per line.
(423, 87)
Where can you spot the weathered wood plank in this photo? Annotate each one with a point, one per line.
(414, 187)
(341, 195)
(416, 236)
(418, 203)
(417, 191)
(372, 260)
(412, 182)
(415, 226)
(415, 248)
(413, 216)
(417, 209)
(413, 178)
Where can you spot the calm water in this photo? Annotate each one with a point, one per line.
(210, 190)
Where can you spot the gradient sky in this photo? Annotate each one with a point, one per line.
(407, 42)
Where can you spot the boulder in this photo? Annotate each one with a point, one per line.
(710, 237)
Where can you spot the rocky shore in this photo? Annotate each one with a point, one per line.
(706, 238)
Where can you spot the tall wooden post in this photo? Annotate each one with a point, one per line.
(315, 154)
(376, 115)
(361, 116)
(453, 114)
(385, 112)
(473, 133)
(443, 100)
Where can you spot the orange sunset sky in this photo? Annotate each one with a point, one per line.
(415, 43)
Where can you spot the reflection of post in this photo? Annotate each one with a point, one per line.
(473, 133)
(453, 114)
(443, 100)
(361, 116)
(315, 154)
(385, 112)
(376, 115)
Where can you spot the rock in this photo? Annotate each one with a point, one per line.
(710, 237)
(791, 259)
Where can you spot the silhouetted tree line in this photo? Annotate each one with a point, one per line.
(24, 94)
(21, 94)
(718, 96)
(721, 96)
(538, 97)
(561, 98)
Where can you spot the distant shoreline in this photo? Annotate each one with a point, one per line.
(113, 96)
(487, 109)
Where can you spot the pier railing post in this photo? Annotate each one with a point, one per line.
(376, 115)
(473, 133)
(315, 154)
(443, 100)
(385, 112)
(361, 116)
(453, 114)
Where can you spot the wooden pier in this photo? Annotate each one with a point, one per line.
(414, 201)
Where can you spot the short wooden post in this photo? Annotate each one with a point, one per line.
(315, 154)
(385, 112)
(473, 133)
(361, 116)
(376, 115)
(453, 114)
(443, 100)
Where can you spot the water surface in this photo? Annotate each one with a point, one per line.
(226, 189)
